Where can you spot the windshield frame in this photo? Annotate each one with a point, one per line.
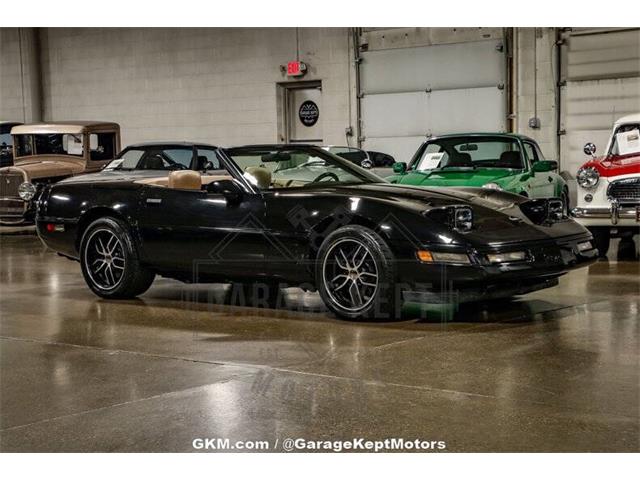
(417, 157)
(366, 177)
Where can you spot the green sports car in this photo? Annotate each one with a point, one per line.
(503, 161)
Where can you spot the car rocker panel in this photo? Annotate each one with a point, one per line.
(357, 239)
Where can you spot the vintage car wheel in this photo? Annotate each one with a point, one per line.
(355, 273)
(109, 261)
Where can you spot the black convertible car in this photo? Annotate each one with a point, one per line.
(301, 216)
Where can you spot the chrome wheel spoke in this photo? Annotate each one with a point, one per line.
(354, 293)
(105, 260)
(346, 262)
(350, 274)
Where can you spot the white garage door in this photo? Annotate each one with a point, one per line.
(601, 69)
(411, 93)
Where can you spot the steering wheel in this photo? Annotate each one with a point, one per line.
(331, 175)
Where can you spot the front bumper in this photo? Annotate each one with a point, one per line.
(545, 262)
(616, 215)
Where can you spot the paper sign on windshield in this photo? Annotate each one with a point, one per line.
(628, 142)
(430, 161)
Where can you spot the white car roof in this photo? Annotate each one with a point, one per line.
(634, 118)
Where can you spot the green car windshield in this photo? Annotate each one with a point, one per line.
(290, 167)
(469, 152)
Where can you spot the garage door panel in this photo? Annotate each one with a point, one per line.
(604, 55)
(421, 114)
(459, 65)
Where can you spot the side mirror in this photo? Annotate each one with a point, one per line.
(545, 166)
(589, 149)
(230, 189)
(399, 167)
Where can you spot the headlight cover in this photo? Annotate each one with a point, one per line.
(26, 191)
(492, 186)
(588, 177)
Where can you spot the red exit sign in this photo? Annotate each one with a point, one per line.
(296, 69)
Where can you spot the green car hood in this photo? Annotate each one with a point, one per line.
(453, 177)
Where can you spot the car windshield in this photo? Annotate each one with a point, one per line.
(626, 140)
(153, 158)
(50, 144)
(469, 152)
(274, 168)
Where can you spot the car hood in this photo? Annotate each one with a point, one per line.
(614, 165)
(494, 210)
(33, 169)
(454, 177)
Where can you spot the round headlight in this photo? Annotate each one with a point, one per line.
(492, 186)
(588, 177)
(26, 191)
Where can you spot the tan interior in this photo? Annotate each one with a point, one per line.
(182, 182)
(259, 176)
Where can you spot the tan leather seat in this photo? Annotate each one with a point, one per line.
(259, 176)
(185, 180)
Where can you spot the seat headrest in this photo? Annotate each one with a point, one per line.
(154, 163)
(185, 180)
(510, 158)
(202, 162)
(460, 160)
(259, 176)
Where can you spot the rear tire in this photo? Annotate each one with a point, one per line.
(110, 263)
(355, 275)
(602, 239)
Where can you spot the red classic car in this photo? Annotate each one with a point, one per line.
(609, 186)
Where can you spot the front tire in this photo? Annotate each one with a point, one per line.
(355, 275)
(110, 263)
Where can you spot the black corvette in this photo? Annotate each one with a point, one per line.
(300, 216)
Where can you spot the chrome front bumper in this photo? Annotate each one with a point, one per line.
(615, 213)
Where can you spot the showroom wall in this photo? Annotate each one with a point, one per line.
(224, 85)
(535, 59)
(19, 75)
(214, 85)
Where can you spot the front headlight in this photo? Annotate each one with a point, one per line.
(26, 191)
(588, 177)
(492, 186)
(463, 219)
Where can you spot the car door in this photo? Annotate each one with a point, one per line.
(542, 184)
(197, 233)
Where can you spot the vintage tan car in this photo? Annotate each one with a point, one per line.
(48, 152)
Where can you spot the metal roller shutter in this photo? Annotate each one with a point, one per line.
(409, 93)
(601, 83)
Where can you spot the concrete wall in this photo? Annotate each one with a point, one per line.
(535, 50)
(19, 75)
(216, 85)
(213, 85)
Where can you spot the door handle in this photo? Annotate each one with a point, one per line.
(154, 201)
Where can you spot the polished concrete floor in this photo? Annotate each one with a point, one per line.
(558, 370)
